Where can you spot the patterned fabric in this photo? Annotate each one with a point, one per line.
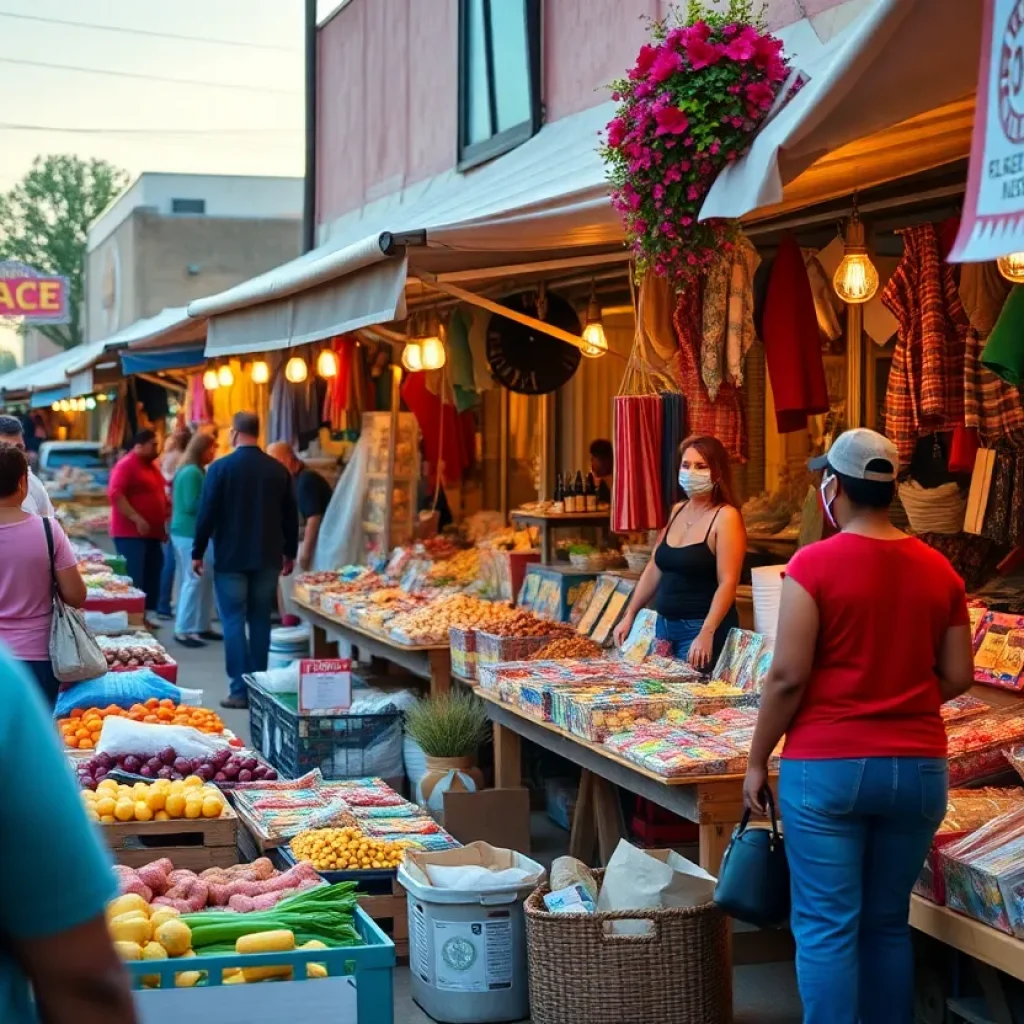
(974, 558)
(728, 317)
(996, 524)
(925, 391)
(723, 417)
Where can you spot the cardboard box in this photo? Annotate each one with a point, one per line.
(500, 817)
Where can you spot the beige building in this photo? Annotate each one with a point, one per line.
(171, 238)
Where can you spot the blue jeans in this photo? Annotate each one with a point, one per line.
(245, 599)
(681, 633)
(195, 593)
(42, 672)
(145, 559)
(166, 580)
(857, 832)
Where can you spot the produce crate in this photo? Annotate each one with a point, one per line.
(370, 1000)
(463, 647)
(380, 895)
(193, 843)
(168, 672)
(294, 744)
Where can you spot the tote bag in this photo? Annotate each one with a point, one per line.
(74, 653)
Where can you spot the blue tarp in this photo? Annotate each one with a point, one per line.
(41, 399)
(178, 358)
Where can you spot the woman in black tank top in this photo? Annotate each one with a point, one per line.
(696, 566)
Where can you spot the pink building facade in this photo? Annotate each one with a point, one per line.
(389, 78)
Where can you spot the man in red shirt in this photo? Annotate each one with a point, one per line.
(138, 516)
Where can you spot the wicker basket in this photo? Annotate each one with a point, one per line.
(680, 973)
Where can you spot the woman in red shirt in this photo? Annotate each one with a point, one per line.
(873, 636)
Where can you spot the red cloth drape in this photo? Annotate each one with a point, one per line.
(456, 447)
(636, 501)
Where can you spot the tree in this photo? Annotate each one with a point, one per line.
(44, 219)
(8, 361)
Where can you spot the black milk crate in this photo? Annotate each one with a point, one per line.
(340, 745)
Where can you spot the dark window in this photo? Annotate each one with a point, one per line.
(188, 206)
(499, 77)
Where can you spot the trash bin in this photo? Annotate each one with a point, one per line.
(467, 946)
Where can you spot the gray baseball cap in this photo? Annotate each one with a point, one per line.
(853, 452)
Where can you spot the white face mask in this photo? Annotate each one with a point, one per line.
(826, 502)
(696, 481)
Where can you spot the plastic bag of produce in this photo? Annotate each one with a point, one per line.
(121, 688)
(121, 736)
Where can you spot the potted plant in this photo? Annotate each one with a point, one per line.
(449, 729)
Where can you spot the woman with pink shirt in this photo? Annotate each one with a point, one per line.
(26, 601)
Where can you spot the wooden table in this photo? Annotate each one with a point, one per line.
(714, 802)
(546, 521)
(432, 662)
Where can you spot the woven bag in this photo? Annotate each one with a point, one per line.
(679, 973)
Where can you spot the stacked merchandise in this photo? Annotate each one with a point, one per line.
(138, 650)
(976, 743)
(967, 811)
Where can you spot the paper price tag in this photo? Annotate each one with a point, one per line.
(325, 684)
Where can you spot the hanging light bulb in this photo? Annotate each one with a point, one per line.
(1012, 267)
(296, 370)
(327, 363)
(210, 381)
(595, 344)
(412, 356)
(856, 279)
(65, 405)
(55, 407)
(432, 353)
(102, 397)
(260, 372)
(225, 377)
(90, 403)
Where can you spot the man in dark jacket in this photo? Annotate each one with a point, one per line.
(248, 512)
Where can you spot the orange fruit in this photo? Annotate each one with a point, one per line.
(153, 702)
(76, 713)
(87, 744)
(166, 703)
(151, 718)
(165, 715)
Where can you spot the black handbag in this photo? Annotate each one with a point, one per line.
(753, 882)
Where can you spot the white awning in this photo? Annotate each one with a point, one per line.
(53, 371)
(171, 326)
(891, 95)
(548, 196)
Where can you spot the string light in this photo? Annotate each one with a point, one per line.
(260, 372)
(412, 356)
(210, 381)
(327, 364)
(296, 371)
(595, 344)
(225, 376)
(90, 403)
(856, 279)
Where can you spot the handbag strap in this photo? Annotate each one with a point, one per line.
(48, 530)
(769, 799)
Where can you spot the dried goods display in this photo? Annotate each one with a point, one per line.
(161, 800)
(225, 768)
(346, 849)
(81, 730)
(431, 623)
(133, 650)
(568, 647)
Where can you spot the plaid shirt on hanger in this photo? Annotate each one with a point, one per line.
(926, 384)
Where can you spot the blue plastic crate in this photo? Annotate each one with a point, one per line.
(369, 966)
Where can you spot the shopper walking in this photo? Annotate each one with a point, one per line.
(873, 636)
(248, 511)
(138, 516)
(697, 563)
(37, 501)
(312, 495)
(26, 599)
(172, 456)
(195, 592)
(57, 963)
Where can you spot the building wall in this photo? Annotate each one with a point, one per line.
(388, 81)
(169, 261)
(225, 195)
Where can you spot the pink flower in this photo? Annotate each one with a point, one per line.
(671, 121)
(644, 60)
(760, 95)
(693, 193)
(715, 148)
(700, 53)
(665, 65)
(686, 221)
(658, 191)
(745, 46)
(699, 30)
(616, 132)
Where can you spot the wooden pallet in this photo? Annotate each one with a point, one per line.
(390, 912)
(196, 844)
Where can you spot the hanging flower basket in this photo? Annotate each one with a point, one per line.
(691, 104)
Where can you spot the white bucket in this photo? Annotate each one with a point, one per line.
(766, 586)
(287, 643)
(467, 950)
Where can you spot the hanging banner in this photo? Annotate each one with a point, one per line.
(36, 297)
(993, 218)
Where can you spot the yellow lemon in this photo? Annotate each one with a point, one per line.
(143, 812)
(161, 816)
(156, 798)
(105, 805)
(124, 810)
(211, 807)
(193, 808)
(175, 805)
(193, 782)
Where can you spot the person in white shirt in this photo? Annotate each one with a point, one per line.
(37, 501)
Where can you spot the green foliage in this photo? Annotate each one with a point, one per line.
(8, 361)
(44, 219)
(450, 725)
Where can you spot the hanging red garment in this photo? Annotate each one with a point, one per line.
(636, 497)
(336, 397)
(450, 446)
(722, 418)
(792, 344)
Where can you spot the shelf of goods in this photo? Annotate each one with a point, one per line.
(546, 520)
(390, 487)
